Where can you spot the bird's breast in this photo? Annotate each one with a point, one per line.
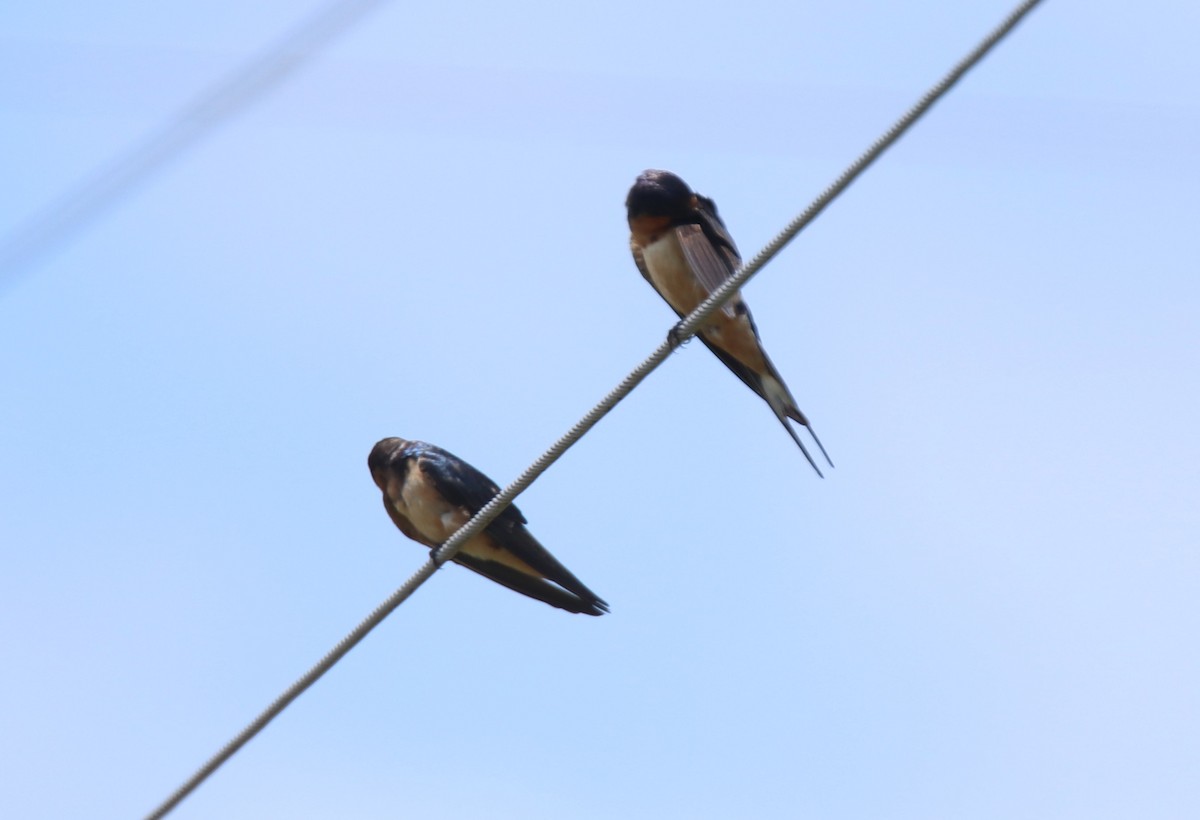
(730, 328)
(421, 503)
(437, 519)
(671, 274)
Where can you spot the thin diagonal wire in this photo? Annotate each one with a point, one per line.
(692, 322)
(684, 330)
(71, 211)
(296, 689)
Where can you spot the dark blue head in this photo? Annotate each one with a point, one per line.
(383, 455)
(658, 193)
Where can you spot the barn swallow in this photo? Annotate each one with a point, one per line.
(430, 493)
(682, 248)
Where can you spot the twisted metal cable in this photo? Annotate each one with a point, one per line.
(680, 333)
(691, 323)
(295, 690)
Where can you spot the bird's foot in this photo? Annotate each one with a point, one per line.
(675, 338)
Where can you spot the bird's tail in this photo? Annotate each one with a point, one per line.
(784, 407)
(538, 588)
(556, 585)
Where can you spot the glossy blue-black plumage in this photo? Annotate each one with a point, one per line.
(506, 552)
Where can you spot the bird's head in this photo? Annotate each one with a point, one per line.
(659, 194)
(381, 457)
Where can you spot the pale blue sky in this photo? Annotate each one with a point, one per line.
(988, 610)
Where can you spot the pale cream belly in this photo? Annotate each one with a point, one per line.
(424, 507)
(672, 277)
(437, 520)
